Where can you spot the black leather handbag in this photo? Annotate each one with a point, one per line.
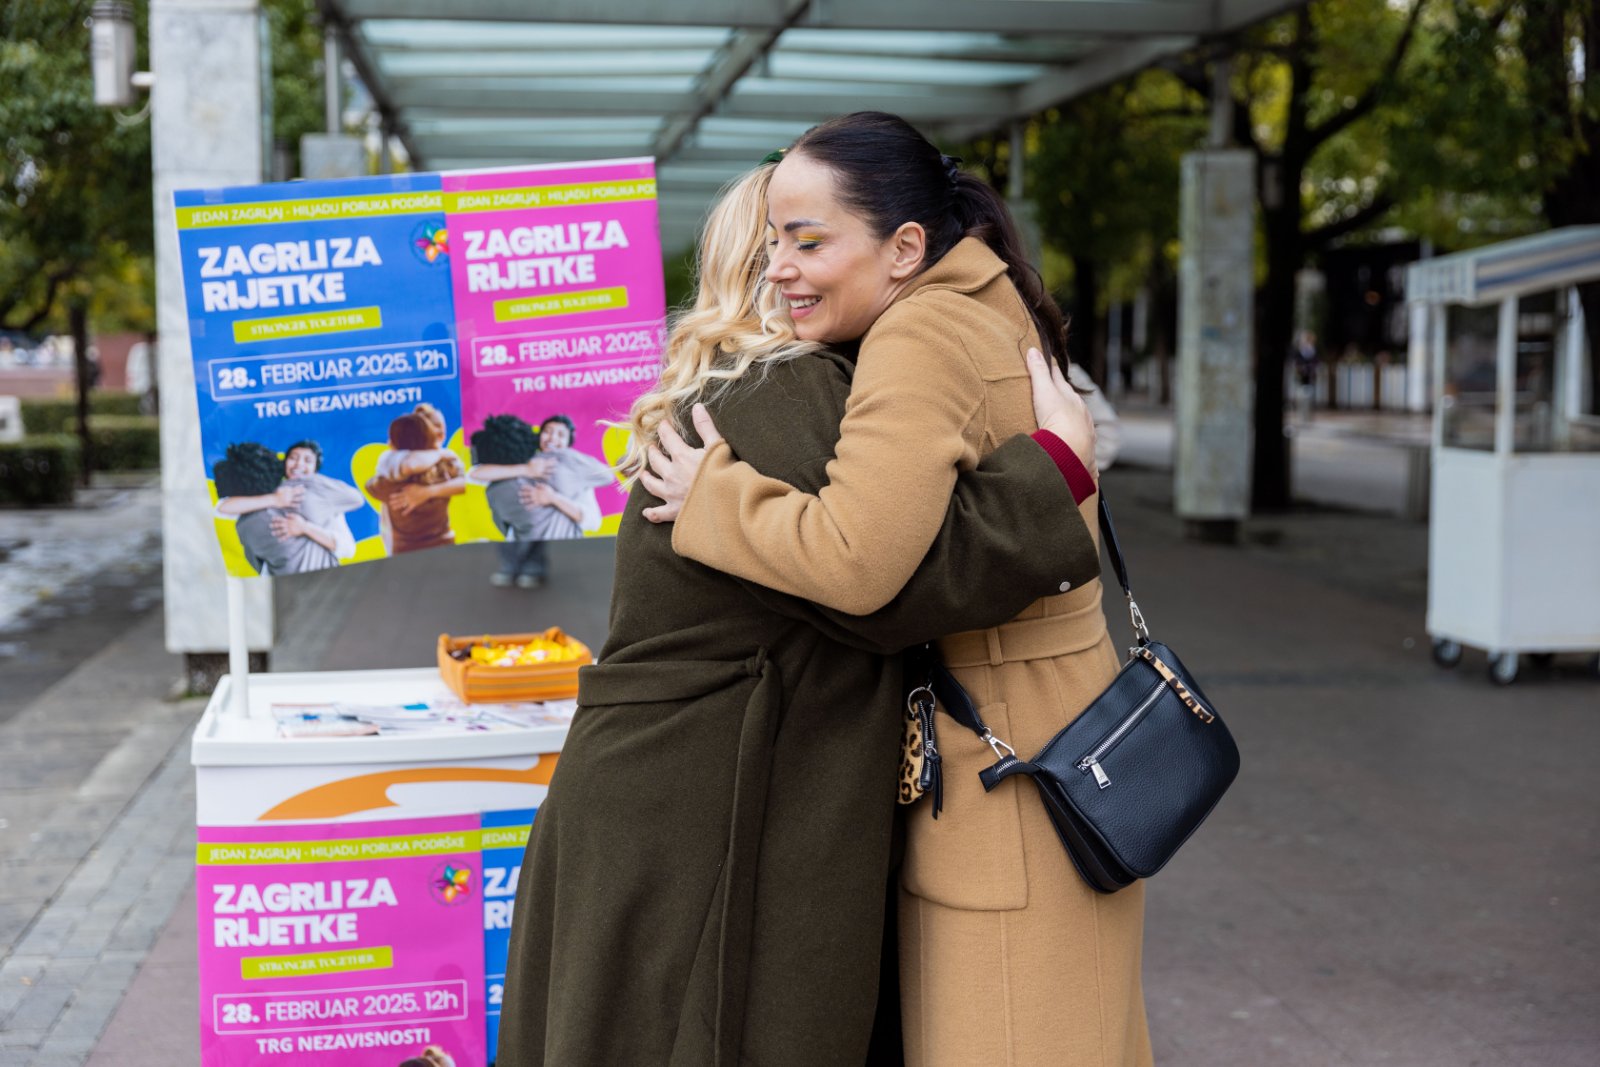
(1128, 780)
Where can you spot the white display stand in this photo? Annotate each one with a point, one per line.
(370, 879)
(1514, 535)
(244, 771)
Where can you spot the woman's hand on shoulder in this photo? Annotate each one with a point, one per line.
(1058, 408)
(673, 464)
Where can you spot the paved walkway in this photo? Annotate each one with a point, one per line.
(1405, 872)
(1353, 460)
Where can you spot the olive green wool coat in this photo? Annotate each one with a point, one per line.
(705, 884)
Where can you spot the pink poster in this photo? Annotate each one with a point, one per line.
(349, 943)
(560, 313)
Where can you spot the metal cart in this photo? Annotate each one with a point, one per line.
(1514, 534)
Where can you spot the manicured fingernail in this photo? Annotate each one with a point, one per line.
(1034, 355)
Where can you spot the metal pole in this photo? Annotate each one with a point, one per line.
(1505, 406)
(1014, 168)
(238, 650)
(1221, 104)
(1438, 338)
(1570, 402)
(330, 80)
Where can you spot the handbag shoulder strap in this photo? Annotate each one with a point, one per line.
(1113, 547)
(1108, 534)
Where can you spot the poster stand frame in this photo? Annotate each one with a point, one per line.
(238, 651)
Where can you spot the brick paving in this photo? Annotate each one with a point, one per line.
(1404, 873)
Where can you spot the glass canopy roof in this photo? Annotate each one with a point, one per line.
(708, 87)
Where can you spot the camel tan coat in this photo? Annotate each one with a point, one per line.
(1005, 955)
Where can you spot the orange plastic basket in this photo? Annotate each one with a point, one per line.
(480, 683)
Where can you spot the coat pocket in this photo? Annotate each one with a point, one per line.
(970, 856)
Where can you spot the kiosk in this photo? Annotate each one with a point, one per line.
(1514, 536)
(354, 894)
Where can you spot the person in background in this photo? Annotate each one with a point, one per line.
(1305, 373)
(1107, 430)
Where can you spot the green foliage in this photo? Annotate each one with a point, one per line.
(297, 83)
(678, 273)
(1501, 118)
(41, 416)
(75, 205)
(39, 470)
(1104, 173)
(125, 442)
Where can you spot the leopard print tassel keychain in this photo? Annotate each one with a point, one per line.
(919, 760)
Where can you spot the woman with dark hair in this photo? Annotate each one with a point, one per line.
(706, 883)
(1005, 954)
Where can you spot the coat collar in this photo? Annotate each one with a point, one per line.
(966, 268)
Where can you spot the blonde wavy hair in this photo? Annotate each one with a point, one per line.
(737, 324)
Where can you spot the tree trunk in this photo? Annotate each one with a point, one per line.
(1087, 352)
(1573, 198)
(1275, 301)
(1164, 327)
(78, 323)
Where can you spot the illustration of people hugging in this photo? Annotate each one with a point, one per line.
(303, 504)
(554, 486)
(414, 482)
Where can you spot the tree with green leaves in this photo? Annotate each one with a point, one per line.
(1301, 83)
(74, 177)
(1515, 106)
(1104, 177)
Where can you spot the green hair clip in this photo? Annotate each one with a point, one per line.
(774, 156)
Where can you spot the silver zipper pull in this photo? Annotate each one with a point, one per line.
(1099, 773)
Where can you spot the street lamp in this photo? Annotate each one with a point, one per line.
(111, 54)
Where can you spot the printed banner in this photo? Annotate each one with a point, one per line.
(359, 944)
(505, 836)
(340, 416)
(560, 310)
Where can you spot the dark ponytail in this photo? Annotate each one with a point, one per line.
(890, 174)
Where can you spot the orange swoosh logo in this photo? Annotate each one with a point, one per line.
(369, 792)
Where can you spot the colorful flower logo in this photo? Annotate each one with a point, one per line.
(450, 883)
(431, 242)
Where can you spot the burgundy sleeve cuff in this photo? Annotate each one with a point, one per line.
(1079, 480)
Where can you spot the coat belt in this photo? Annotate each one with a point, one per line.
(1042, 637)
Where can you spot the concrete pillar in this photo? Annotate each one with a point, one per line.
(1417, 398)
(332, 155)
(206, 131)
(1215, 391)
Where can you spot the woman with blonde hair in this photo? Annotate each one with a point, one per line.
(1006, 955)
(706, 882)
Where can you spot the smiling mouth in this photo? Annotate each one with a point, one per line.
(803, 303)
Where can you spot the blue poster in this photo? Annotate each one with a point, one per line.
(504, 839)
(326, 369)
